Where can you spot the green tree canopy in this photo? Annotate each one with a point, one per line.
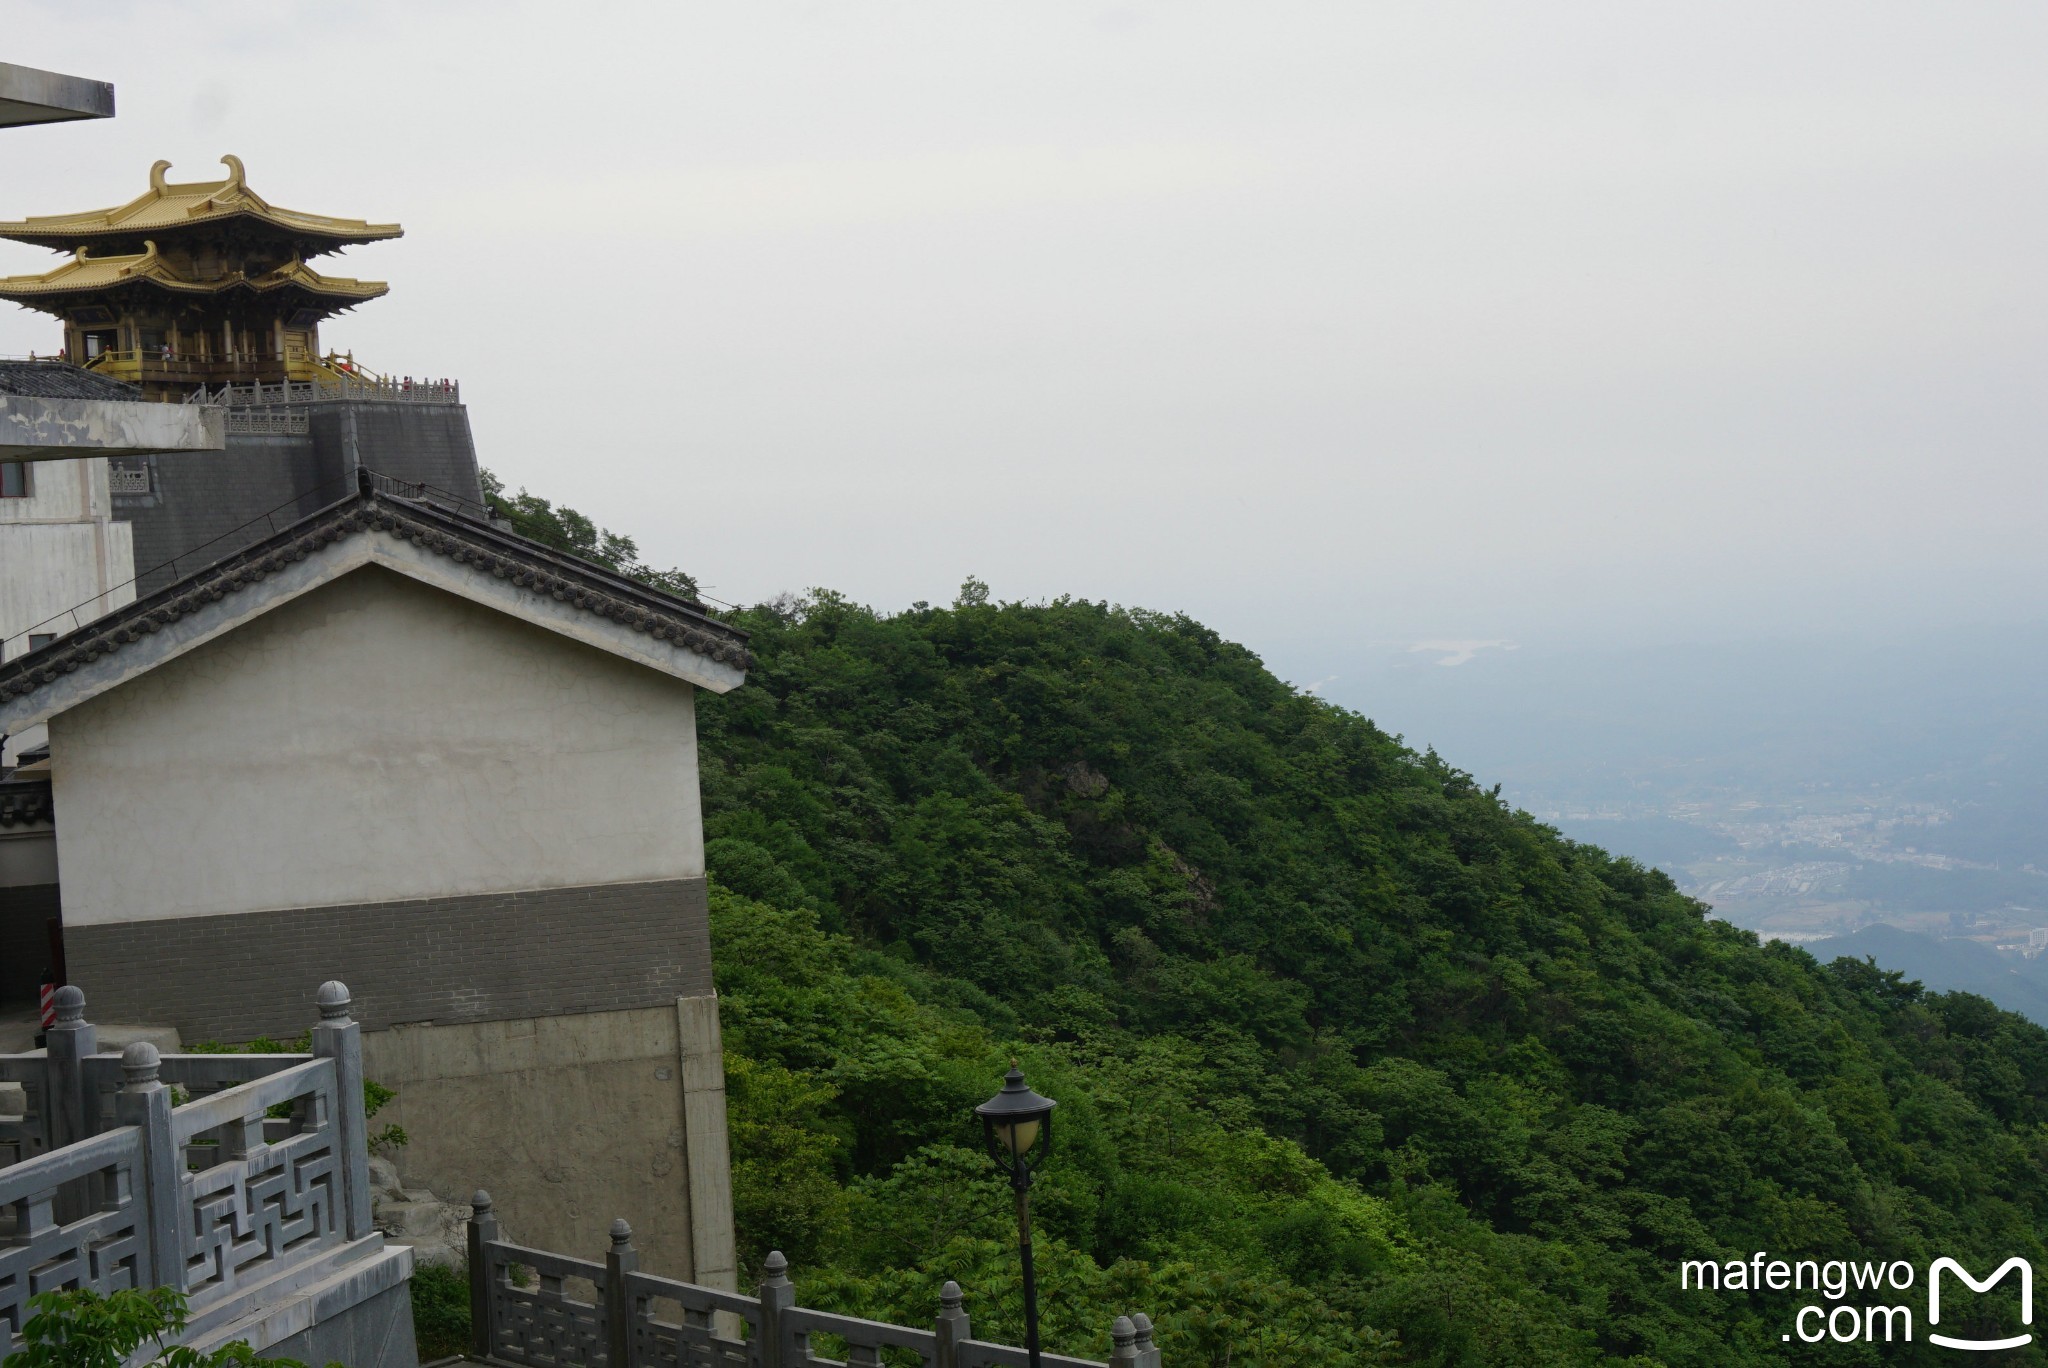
(564, 529)
(1355, 1063)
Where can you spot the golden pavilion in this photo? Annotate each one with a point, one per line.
(195, 285)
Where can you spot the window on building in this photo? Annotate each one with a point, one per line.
(38, 640)
(14, 482)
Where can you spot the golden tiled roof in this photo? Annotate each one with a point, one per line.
(165, 207)
(83, 274)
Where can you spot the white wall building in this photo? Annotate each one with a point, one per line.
(65, 557)
(64, 560)
(395, 745)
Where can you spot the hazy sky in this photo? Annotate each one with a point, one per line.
(1324, 323)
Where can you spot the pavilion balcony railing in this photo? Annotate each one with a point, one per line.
(160, 366)
(536, 1309)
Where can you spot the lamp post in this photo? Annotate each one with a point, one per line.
(1017, 1124)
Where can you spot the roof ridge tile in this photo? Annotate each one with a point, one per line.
(359, 513)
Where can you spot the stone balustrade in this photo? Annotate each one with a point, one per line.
(530, 1307)
(111, 1185)
(242, 1193)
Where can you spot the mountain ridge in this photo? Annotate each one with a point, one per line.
(1947, 965)
(1356, 1064)
(1541, 1074)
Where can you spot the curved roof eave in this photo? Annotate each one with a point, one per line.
(166, 207)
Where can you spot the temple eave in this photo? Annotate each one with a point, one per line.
(129, 239)
(23, 289)
(166, 210)
(42, 233)
(125, 299)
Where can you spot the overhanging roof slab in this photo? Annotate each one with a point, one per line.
(29, 96)
(34, 428)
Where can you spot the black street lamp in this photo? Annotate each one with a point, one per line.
(1017, 1123)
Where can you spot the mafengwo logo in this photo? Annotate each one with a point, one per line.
(1849, 1319)
(2013, 1265)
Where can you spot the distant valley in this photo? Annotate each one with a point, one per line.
(2016, 982)
(1888, 799)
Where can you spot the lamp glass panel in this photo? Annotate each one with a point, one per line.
(1020, 1137)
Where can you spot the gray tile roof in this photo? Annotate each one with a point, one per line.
(60, 380)
(429, 525)
(24, 802)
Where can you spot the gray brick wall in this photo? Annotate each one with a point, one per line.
(489, 957)
(201, 504)
(429, 442)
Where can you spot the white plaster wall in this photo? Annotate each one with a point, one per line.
(59, 491)
(374, 740)
(61, 554)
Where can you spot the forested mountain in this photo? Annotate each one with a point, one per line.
(1955, 965)
(1355, 1063)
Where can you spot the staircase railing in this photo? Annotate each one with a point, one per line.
(343, 371)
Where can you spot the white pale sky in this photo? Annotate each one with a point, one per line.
(1321, 322)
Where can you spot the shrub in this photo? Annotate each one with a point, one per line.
(80, 1328)
(440, 1311)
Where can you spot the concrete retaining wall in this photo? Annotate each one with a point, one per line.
(571, 1121)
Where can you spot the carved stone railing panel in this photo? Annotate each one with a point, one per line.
(214, 1197)
(859, 1335)
(692, 1337)
(252, 1206)
(268, 422)
(976, 1354)
(375, 390)
(105, 1250)
(196, 1073)
(544, 1324)
(25, 1132)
